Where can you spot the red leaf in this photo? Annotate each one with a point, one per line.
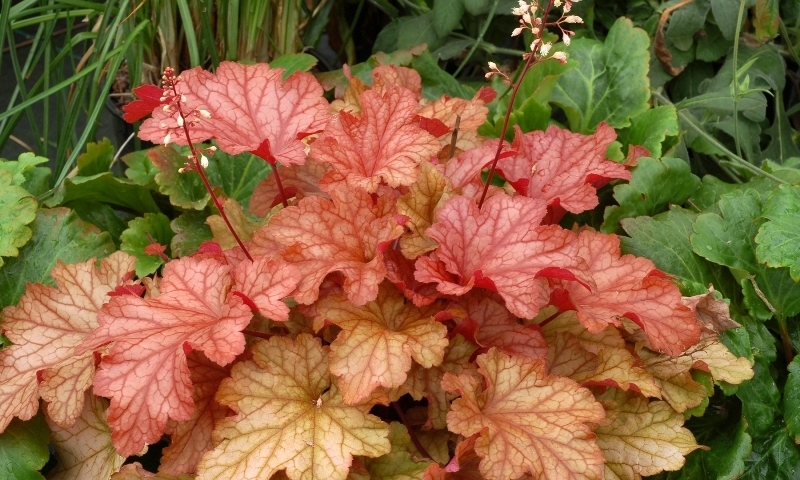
(400, 271)
(248, 106)
(345, 234)
(149, 100)
(266, 282)
(627, 287)
(384, 144)
(558, 166)
(146, 374)
(501, 244)
(298, 181)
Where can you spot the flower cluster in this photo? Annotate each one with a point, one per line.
(533, 17)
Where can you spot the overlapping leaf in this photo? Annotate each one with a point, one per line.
(289, 415)
(419, 205)
(378, 341)
(500, 247)
(266, 282)
(84, 450)
(471, 114)
(345, 234)
(46, 326)
(17, 209)
(146, 373)
(779, 238)
(528, 422)
(562, 168)
(251, 110)
(298, 181)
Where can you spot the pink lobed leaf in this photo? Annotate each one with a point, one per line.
(266, 282)
(146, 373)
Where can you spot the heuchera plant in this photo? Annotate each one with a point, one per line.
(388, 274)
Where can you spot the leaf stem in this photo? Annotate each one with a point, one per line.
(411, 432)
(253, 333)
(454, 138)
(279, 184)
(203, 176)
(736, 79)
(528, 64)
(478, 40)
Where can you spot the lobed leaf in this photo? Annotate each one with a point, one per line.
(17, 210)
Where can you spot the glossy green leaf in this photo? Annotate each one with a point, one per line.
(238, 175)
(185, 189)
(58, 234)
(437, 82)
(103, 217)
(104, 188)
(655, 184)
(791, 398)
(650, 128)
(144, 231)
(779, 239)
(775, 456)
(664, 239)
(96, 159)
(760, 399)
(21, 167)
(728, 446)
(610, 83)
(191, 230)
(728, 239)
(17, 210)
(447, 16)
(141, 170)
(685, 22)
(23, 449)
(294, 62)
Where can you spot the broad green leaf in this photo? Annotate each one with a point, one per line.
(104, 188)
(294, 62)
(17, 210)
(397, 464)
(97, 158)
(23, 449)
(190, 230)
(685, 22)
(726, 14)
(452, 48)
(767, 19)
(103, 217)
(477, 7)
(728, 239)
(37, 180)
(729, 445)
(141, 170)
(708, 193)
(654, 185)
(779, 239)
(58, 234)
(417, 30)
(437, 82)
(712, 46)
(144, 231)
(751, 341)
(791, 398)
(610, 83)
(760, 399)
(22, 167)
(781, 146)
(185, 189)
(775, 456)
(447, 15)
(650, 128)
(238, 175)
(664, 239)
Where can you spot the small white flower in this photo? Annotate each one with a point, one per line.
(204, 161)
(516, 31)
(179, 120)
(183, 98)
(204, 113)
(492, 65)
(566, 39)
(560, 56)
(557, 3)
(526, 17)
(573, 19)
(545, 49)
(167, 138)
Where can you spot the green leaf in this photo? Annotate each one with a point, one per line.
(238, 175)
(294, 62)
(650, 128)
(760, 399)
(97, 158)
(58, 234)
(664, 239)
(190, 230)
(37, 180)
(397, 464)
(728, 239)
(104, 217)
(779, 239)
(452, 48)
(711, 189)
(141, 232)
(712, 46)
(610, 83)
(17, 210)
(141, 170)
(185, 190)
(416, 31)
(477, 7)
(447, 16)
(767, 19)
(437, 82)
(686, 22)
(791, 399)
(775, 456)
(726, 13)
(654, 185)
(23, 449)
(104, 188)
(729, 445)
(753, 340)
(21, 167)
(781, 146)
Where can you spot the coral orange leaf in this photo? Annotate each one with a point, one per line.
(561, 167)
(298, 181)
(289, 417)
(384, 144)
(146, 373)
(499, 247)
(247, 108)
(266, 282)
(529, 422)
(379, 339)
(419, 205)
(345, 234)
(46, 326)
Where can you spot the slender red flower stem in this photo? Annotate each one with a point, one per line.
(207, 184)
(528, 64)
(278, 182)
(253, 333)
